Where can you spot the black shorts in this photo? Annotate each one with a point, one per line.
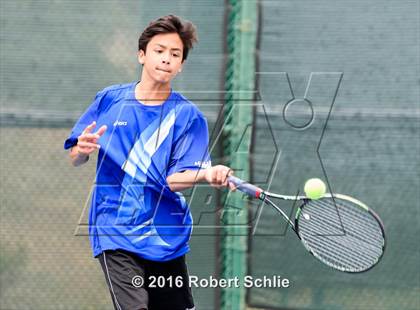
(165, 284)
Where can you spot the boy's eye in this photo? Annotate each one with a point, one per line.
(176, 55)
(158, 51)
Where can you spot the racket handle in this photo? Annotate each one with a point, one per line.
(245, 187)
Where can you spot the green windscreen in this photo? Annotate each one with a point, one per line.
(357, 59)
(366, 52)
(55, 56)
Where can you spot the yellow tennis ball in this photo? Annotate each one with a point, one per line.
(314, 188)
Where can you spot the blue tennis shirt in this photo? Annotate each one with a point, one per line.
(132, 207)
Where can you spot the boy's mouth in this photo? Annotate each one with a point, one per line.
(163, 70)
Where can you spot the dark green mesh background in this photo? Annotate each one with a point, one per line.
(370, 149)
(55, 56)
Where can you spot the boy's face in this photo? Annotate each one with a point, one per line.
(163, 58)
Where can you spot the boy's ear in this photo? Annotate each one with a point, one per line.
(140, 57)
(180, 68)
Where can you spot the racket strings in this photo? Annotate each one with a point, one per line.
(341, 234)
(335, 255)
(350, 243)
(356, 212)
(341, 248)
(364, 223)
(338, 222)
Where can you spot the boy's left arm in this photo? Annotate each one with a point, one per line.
(216, 176)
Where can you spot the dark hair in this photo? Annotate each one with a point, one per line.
(170, 24)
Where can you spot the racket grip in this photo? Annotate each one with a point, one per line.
(245, 187)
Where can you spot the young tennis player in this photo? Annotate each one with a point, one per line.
(152, 144)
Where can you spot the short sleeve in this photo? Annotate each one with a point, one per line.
(191, 152)
(90, 115)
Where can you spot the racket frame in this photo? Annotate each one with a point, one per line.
(265, 195)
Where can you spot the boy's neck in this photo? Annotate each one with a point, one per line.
(152, 93)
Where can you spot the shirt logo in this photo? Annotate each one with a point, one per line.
(203, 164)
(120, 123)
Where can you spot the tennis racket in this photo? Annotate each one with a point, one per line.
(340, 231)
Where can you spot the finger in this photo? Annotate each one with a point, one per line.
(84, 144)
(213, 176)
(101, 130)
(90, 136)
(83, 138)
(232, 187)
(225, 176)
(219, 177)
(89, 128)
(86, 150)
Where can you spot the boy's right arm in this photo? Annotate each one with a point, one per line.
(86, 144)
